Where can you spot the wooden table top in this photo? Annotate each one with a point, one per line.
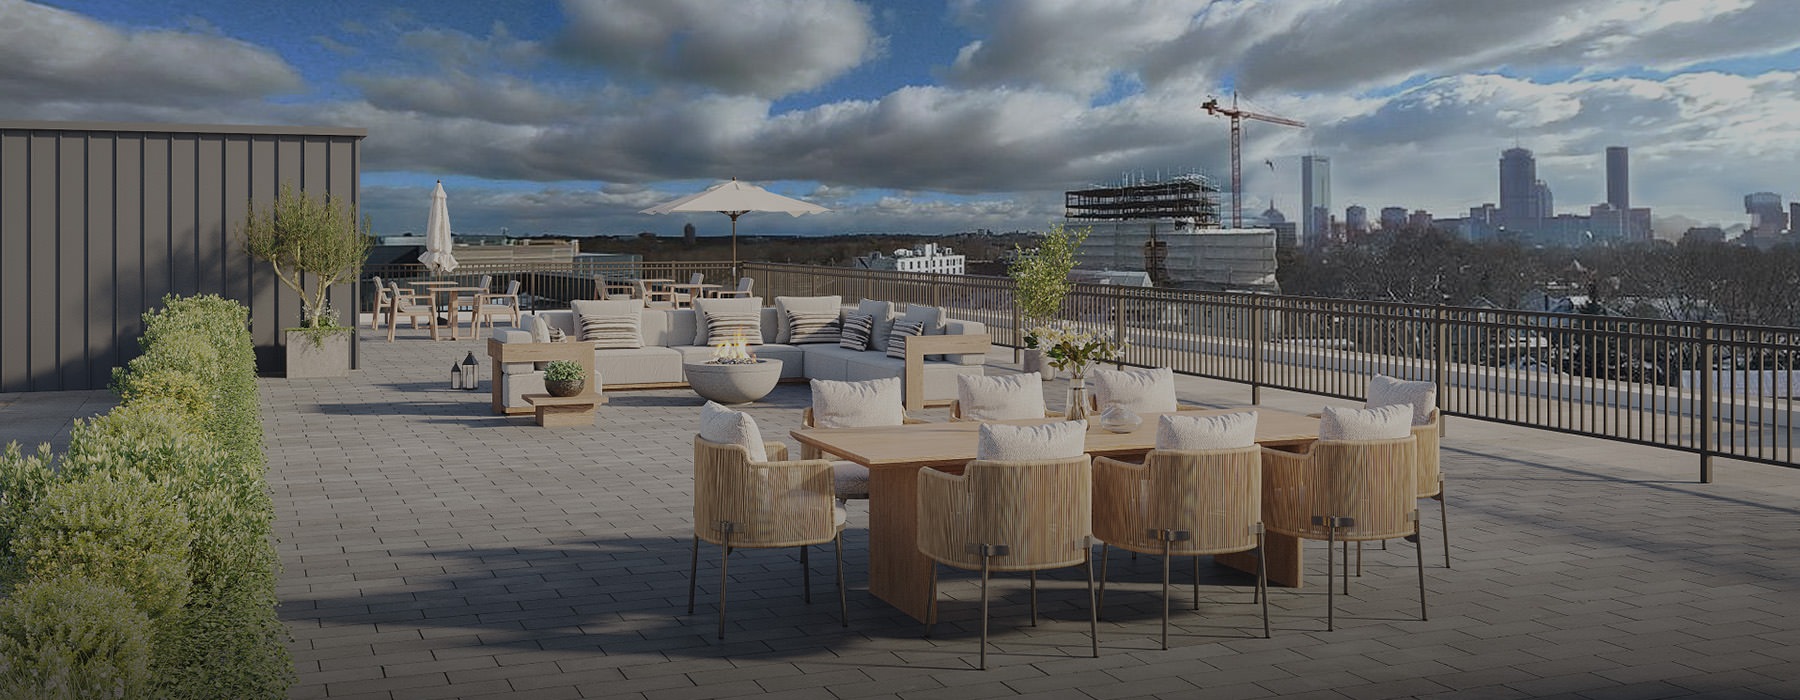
(945, 444)
(432, 283)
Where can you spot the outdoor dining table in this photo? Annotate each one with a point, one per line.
(693, 290)
(901, 576)
(433, 289)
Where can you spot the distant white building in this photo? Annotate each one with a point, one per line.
(929, 257)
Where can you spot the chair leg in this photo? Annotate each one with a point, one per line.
(1196, 582)
(1165, 592)
(1420, 549)
(724, 562)
(806, 573)
(1444, 520)
(1101, 600)
(1359, 558)
(1087, 564)
(985, 557)
(1330, 573)
(837, 548)
(1033, 576)
(1262, 577)
(693, 573)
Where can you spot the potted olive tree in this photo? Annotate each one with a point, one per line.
(303, 237)
(1041, 280)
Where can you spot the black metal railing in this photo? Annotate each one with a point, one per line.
(548, 285)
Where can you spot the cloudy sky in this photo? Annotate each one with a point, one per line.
(938, 116)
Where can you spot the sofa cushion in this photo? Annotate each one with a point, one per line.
(540, 329)
(668, 327)
(1149, 390)
(725, 426)
(1232, 430)
(787, 306)
(703, 308)
(1388, 391)
(1001, 397)
(854, 335)
(1032, 443)
(883, 313)
(1385, 423)
(808, 327)
(610, 324)
(896, 346)
(646, 365)
(965, 328)
(733, 326)
(930, 317)
(857, 404)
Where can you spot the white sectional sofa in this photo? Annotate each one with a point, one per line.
(668, 338)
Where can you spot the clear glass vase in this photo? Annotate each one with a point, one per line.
(1076, 406)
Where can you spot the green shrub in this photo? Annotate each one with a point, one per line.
(117, 528)
(24, 479)
(73, 638)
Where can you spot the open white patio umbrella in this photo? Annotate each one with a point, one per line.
(734, 199)
(437, 256)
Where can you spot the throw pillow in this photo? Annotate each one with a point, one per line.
(612, 323)
(1232, 430)
(1000, 397)
(725, 426)
(1385, 423)
(896, 345)
(932, 317)
(558, 336)
(807, 327)
(1141, 390)
(734, 326)
(540, 329)
(855, 333)
(1032, 443)
(883, 313)
(857, 404)
(786, 306)
(1388, 391)
(703, 307)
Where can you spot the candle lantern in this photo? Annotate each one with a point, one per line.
(456, 375)
(471, 372)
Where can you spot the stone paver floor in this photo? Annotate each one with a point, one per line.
(433, 550)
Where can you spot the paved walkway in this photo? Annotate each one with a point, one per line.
(433, 550)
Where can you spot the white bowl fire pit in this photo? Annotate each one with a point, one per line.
(734, 374)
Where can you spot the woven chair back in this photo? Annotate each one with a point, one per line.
(767, 504)
(1368, 485)
(1213, 495)
(1040, 510)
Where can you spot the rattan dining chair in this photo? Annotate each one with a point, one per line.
(1186, 503)
(1345, 491)
(739, 504)
(1009, 516)
(849, 480)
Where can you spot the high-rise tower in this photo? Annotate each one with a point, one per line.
(1518, 187)
(1315, 198)
(1618, 177)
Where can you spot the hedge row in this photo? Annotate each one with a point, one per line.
(141, 563)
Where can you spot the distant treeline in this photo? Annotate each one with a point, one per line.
(820, 250)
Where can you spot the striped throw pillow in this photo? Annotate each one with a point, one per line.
(813, 327)
(732, 326)
(897, 337)
(611, 331)
(557, 335)
(855, 334)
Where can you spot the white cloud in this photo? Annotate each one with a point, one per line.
(767, 48)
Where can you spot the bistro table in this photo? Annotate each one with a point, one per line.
(901, 576)
(432, 290)
(694, 291)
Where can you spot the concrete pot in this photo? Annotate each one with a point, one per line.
(565, 388)
(314, 356)
(729, 384)
(1033, 360)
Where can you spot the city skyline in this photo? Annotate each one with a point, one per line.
(943, 116)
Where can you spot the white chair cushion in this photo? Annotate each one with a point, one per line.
(1032, 443)
(1388, 391)
(725, 426)
(1229, 431)
(857, 404)
(702, 307)
(805, 305)
(1384, 423)
(883, 313)
(1141, 390)
(1000, 397)
(849, 480)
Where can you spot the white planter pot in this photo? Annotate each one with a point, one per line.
(1032, 360)
(311, 356)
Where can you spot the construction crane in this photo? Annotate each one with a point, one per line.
(1237, 116)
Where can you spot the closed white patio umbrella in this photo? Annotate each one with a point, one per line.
(735, 199)
(437, 256)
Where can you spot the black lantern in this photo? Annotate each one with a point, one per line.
(471, 372)
(456, 375)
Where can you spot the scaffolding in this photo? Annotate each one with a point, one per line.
(1189, 198)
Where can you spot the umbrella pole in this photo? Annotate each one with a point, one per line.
(734, 254)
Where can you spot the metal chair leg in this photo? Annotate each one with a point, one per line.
(693, 573)
(1033, 577)
(1330, 572)
(1165, 592)
(1087, 565)
(806, 574)
(1359, 558)
(1196, 582)
(1262, 578)
(1101, 600)
(1444, 520)
(724, 563)
(837, 548)
(985, 556)
(1346, 546)
(1420, 549)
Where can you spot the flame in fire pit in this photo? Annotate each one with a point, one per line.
(733, 352)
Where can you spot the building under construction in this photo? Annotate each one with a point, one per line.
(1170, 230)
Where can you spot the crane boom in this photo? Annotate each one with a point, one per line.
(1237, 116)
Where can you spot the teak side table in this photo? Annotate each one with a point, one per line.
(563, 411)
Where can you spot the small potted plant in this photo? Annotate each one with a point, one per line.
(1067, 348)
(1041, 279)
(302, 237)
(564, 378)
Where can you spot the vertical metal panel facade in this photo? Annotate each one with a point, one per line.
(99, 221)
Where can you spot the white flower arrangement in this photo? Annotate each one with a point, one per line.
(1068, 348)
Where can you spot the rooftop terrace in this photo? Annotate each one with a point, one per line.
(435, 550)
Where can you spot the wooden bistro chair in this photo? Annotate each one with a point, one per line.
(1345, 491)
(655, 299)
(491, 306)
(739, 504)
(1008, 516)
(1186, 503)
(382, 302)
(412, 307)
(742, 292)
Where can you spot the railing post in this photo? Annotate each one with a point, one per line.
(1017, 338)
(1440, 368)
(1119, 325)
(1707, 360)
(1256, 351)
